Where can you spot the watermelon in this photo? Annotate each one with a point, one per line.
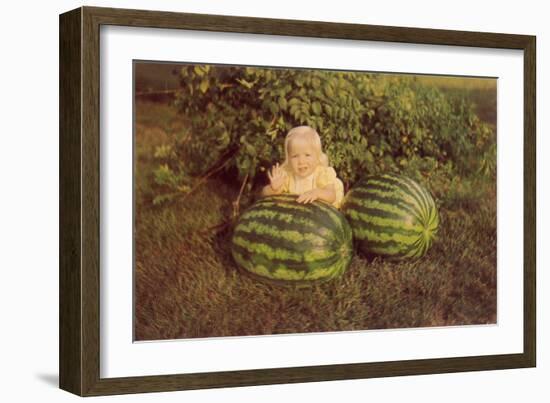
(392, 216)
(281, 240)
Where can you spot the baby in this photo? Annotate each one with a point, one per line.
(305, 171)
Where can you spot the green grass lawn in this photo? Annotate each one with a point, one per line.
(187, 285)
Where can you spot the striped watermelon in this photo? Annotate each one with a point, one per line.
(285, 241)
(391, 215)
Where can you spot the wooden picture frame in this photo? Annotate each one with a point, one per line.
(79, 346)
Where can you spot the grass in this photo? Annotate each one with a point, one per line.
(187, 285)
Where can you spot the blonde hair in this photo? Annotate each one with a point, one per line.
(310, 135)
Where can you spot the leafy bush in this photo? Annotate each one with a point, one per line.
(237, 119)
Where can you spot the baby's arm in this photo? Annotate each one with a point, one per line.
(327, 193)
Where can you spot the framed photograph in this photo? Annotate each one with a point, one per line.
(248, 201)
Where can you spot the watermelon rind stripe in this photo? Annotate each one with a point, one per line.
(298, 224)
(385, 248)
(338, 220)
(392, 215)
(424, 196)
(376, 207)
(404, 184)
(402, 194)
(382, 225)
(370, 235)
(297, 213)
(286, 237)
(419, 192)
(284, 206)
(310, 258)
(275, 246)
(405, 187)
(295, 210)
(260, 258)
(391, 246)
(391, 198)
(297, 279)
(263, 248)
(282, 240)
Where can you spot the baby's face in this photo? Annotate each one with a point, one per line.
(303, 158)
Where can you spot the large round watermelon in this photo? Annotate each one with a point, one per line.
(280, 239)
(391, 215)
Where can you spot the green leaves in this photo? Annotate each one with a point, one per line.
(201, 70)
(245, 83)
(165, 176)
(164, 151)
(316, 107)
(315, 82)
(204, 85)
(282, 103)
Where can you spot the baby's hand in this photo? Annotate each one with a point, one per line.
(308, 197)
(276, 177)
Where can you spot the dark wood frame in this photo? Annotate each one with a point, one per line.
(79, 201)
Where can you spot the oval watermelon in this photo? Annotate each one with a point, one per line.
(281, 240)
(391, 215)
